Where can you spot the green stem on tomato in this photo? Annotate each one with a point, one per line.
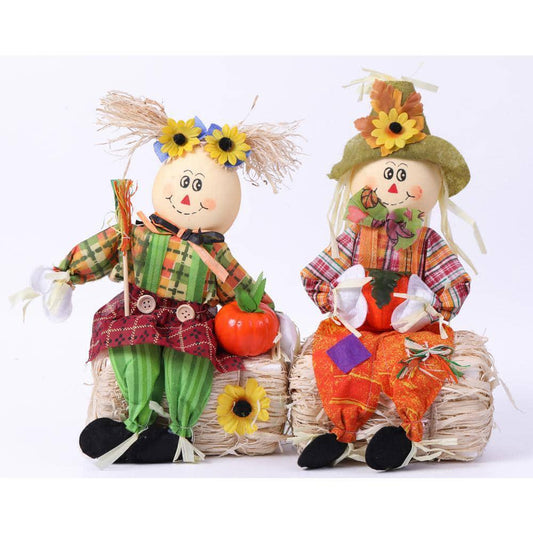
(248, 301)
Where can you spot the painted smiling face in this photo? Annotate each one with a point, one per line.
(400, 183)
(194, 192)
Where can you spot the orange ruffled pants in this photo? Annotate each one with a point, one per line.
(350, 399)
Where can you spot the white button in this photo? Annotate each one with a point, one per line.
(185, 312)
(146, 304)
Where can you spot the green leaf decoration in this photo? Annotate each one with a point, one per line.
(248, 301)
(383, 285)
(245, 301)
(258, 289)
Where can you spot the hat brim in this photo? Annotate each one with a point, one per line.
(431, 148)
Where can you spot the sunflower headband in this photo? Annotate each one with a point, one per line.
(264, 152)
(225, 145)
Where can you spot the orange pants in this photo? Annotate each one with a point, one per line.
(350, 399)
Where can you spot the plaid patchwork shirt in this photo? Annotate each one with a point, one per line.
(184, 276)
(436, 264)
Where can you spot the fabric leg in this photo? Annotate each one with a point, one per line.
(349, 399)
(137, 370)
(188, 381)
(412, 395)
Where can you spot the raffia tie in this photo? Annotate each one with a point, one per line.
(418, 354)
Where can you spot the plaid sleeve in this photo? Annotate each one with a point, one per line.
(445, 276)
(93, 258)
(319, 275)
(237, 276)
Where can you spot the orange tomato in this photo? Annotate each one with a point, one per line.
(246, 334)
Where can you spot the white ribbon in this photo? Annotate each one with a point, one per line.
(118, 451)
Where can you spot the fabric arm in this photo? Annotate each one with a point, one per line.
(237, 276)
(93, 258)
(445, 276)
(320, 275)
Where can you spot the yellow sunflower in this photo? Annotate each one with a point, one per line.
(393, 130)
(179, 137)
(239, 408)
(227, 145)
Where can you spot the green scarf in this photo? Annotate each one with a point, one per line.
(402, 225)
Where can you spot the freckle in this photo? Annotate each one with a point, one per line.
(209, 203)
(417, 192)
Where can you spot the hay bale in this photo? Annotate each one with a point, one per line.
(456, 427)
(270, 371)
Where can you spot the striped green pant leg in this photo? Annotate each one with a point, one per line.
(188, 380)
(138, 373)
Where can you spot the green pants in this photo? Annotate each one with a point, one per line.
(144, 371)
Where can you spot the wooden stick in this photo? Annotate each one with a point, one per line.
(126, 283)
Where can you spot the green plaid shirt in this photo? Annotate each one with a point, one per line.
(184, 276)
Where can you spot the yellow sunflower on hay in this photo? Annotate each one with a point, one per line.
(239, 408)
(227, 145)
(179, 137)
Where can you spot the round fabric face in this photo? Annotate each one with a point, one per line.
(400, 183)
(195, 192)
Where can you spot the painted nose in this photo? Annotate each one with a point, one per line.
(186, 200)
(393, 189)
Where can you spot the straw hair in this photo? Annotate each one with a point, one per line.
(274, 148)
(274, 154)
(142, 119)
(457, 426)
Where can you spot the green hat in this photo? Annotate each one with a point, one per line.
(397, 128)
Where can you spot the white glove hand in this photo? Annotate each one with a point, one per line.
(416, 312)
(290, 336)
(348, 302)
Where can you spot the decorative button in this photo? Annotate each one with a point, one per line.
(185, 312)
(146, 304)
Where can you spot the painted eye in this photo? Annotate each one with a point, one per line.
(197, 185)
(401, 174)
(388, 173)
(184, 182)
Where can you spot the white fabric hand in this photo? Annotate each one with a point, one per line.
(416, 312)
(348, 302)
(56, 292)
(290, 336)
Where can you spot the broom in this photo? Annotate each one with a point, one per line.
(123, 190)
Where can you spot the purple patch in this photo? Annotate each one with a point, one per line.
(348, 353)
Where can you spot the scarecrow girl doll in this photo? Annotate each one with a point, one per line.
(390, 283)
(177, 268)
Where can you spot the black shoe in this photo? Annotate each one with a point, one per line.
(155, 445)
(388, 448)
(102, 435)
(322, 451)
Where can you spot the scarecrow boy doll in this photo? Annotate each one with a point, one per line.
(390, 283)
(159, 333)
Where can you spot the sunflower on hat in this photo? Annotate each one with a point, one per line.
(394, 124)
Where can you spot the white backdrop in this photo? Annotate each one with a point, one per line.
(56, 192)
